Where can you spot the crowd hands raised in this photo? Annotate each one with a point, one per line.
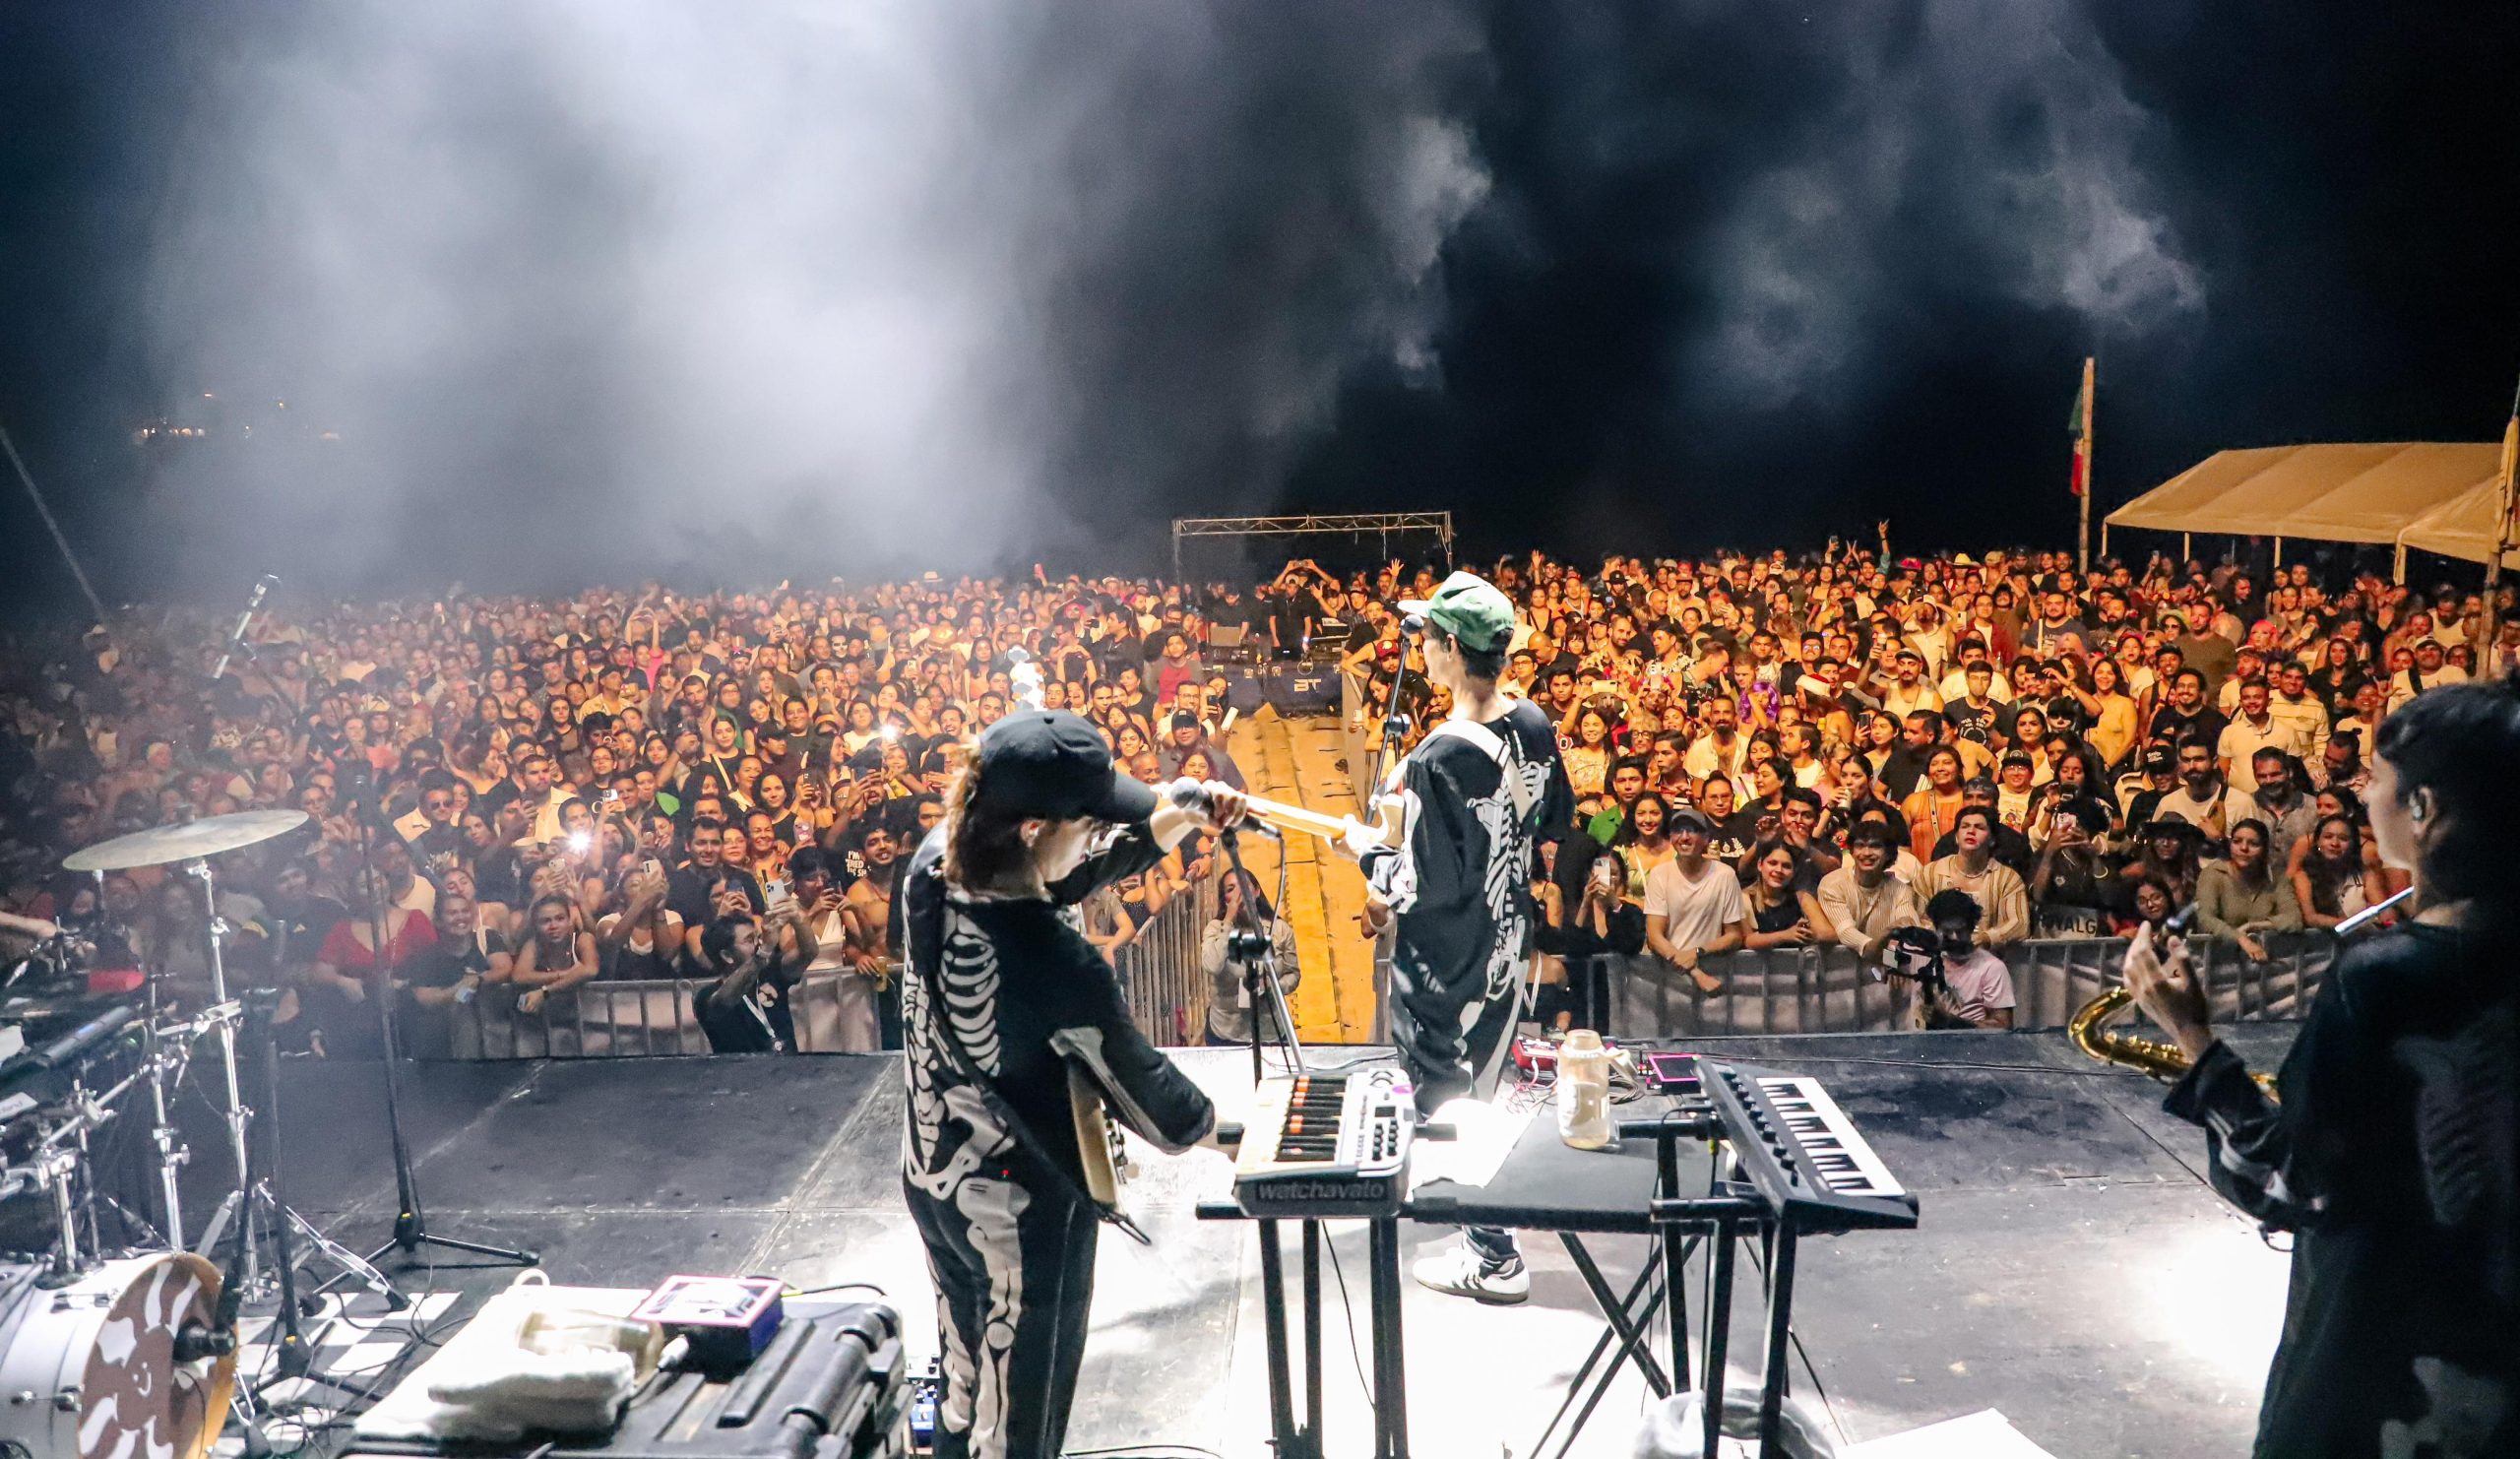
(1768, 751)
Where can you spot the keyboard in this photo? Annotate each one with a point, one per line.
(1326, 1146)
(1801, 1153)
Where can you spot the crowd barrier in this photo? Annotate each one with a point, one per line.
(1827, 991)
(1168, 996)
(1775, 990)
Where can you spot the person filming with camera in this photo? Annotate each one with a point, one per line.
(1959, 984)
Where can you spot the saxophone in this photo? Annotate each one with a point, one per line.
(2167, 1061)
(2089, 1030)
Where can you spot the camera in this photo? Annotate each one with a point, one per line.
(1926, 944)
(1243, 945)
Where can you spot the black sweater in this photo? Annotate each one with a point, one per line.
(2391, 1157)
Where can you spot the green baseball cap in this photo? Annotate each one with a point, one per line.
(1469, 607)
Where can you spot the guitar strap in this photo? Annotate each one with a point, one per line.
(1500, 749)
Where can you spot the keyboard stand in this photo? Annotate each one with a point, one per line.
(1291, 1441)
(1732, 1211)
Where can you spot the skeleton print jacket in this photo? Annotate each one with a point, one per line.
(1460, 881)
(1000, 995)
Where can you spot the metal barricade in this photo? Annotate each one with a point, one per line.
(1774, 990)
(1159, 970)
(1827, 991)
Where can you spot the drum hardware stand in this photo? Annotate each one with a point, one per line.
(58, 1162)
(290, 1356)
(410, 1221)
(165, 1067)
(252, 1205)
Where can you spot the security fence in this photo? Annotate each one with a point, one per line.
(1828, 990)
(1777, 991)
(1159, 969)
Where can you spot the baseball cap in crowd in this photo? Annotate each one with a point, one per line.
(1470, 609)
(1184, 720)
(2158, 760)
(1690, 815)
(1050, 763)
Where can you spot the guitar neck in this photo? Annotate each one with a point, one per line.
(1288, 817)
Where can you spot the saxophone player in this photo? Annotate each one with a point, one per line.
(2394, 1153)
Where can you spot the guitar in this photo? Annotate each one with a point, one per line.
(1100, 1150)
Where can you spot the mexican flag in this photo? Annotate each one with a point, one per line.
(2080, 426)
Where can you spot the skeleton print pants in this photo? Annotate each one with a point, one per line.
(1013, 1265)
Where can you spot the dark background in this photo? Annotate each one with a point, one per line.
(2336, 179)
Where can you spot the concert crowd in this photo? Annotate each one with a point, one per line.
(514, 799)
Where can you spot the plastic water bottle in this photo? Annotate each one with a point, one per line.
(1584, 1090)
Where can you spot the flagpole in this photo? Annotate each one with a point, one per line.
(2082, 538)
(2506, 504)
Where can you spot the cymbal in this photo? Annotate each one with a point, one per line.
(160, 844)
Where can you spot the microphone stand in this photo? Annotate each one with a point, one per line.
(410, 1221)
(1259, 966)
(1394, 728)
(1395, 720)
(236, 639)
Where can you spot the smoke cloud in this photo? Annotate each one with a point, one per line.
(1951, 147)
(606, 287)
(594, 283)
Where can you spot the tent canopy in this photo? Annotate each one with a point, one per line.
(2339, 493)
(2465, 525)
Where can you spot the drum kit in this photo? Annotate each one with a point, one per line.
(107, 1352)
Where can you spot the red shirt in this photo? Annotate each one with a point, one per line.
(344, 952)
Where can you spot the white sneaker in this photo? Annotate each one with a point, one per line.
(1460, 1271)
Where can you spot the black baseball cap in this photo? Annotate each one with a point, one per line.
(1050, 763)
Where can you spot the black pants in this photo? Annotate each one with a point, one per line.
(1013, 1263)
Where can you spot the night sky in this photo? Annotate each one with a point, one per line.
(632, 289)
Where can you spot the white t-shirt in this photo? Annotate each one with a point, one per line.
(1981, 983)
(1695, 912)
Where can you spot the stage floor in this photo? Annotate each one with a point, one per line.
(2071, 1267)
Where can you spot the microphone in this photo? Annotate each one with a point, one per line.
(263, 587)
(1190, 794)
(1413, 626)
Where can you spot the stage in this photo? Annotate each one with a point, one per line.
(2071, 1268)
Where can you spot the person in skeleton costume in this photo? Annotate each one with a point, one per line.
(1476, 793)
(1003, 994)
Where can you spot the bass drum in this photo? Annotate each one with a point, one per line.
(89, 1371)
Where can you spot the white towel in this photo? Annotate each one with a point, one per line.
(515, 1375)
(483, 1386)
